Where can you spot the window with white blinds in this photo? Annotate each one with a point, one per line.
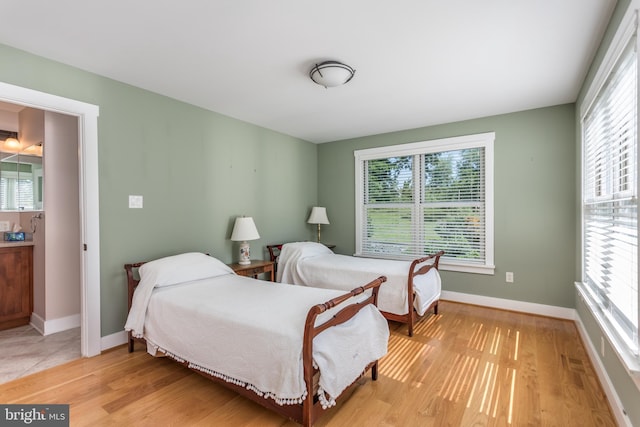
(16, 191)
(420, 198)
(610, 197)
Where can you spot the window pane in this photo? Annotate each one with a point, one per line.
(611, 260)
(24, 196)
(453, 194)
(389, 230)
(390, 180)
(16, 186)
(453, 175)
(458, 230)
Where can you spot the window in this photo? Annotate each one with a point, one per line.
(610, 193)
(16, 187)
(419, 198)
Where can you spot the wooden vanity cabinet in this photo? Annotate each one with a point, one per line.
(16, 286)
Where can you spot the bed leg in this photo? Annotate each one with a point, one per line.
(411, 319)
(374, 371)
(130, 344)
(435, 309)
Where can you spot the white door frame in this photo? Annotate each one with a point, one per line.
(87, 115)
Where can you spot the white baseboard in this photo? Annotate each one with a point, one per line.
(507, 304)
(52, 326)
(113, 340)
(609, 390)
(37, 322)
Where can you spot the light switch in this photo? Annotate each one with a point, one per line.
(135, 202)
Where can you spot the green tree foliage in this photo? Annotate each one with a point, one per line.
(390, 180)
(452, 175)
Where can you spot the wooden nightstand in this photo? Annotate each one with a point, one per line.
(254, 269)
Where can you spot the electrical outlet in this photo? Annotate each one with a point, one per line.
(135, 202)
(5, 225)
(509, 277)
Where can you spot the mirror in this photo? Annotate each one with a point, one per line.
(21, 178)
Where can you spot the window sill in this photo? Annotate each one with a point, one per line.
(445, 265)
(466, 268)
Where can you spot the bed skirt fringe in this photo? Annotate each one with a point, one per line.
(279, 400)
(325, 400)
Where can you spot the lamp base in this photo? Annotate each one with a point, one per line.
(245, 254)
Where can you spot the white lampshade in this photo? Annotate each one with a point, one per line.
(244, 229)
(318, 216)
(331, 73)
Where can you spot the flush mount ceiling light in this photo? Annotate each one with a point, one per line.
(331, 73)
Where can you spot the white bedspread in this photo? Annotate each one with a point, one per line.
(250, 332)
(313, 264)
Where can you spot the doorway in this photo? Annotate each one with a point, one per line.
(87, 118)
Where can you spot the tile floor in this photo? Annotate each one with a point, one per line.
(24, 351)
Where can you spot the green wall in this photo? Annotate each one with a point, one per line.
(196, 169)
(534, 196)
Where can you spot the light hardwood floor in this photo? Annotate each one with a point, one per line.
(467, 366)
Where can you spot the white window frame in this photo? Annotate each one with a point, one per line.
(626, 31)
(483, 140)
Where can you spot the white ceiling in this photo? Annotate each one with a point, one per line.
(418, 62)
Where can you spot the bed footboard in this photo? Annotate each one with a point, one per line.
(311, 409)
(418, 267)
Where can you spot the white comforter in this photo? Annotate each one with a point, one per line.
(313, 264)
(250, 332)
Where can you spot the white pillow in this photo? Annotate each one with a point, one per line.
(308, 249)
(182, 268)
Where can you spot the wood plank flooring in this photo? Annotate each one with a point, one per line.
(467, 366)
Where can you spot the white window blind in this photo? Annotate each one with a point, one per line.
(609, 200)
(419, 198)
(453, 204)
(16, 191)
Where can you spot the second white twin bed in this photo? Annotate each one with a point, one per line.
(409, 283)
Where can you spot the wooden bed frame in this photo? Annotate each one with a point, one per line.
(416, 269)
(310, 409)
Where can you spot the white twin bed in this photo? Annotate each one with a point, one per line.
(415, 284)
(268, 341)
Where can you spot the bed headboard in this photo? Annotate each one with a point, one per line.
(274, 251)
(132, 283)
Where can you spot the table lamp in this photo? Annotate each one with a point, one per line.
(244, 229)
(318, 216)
